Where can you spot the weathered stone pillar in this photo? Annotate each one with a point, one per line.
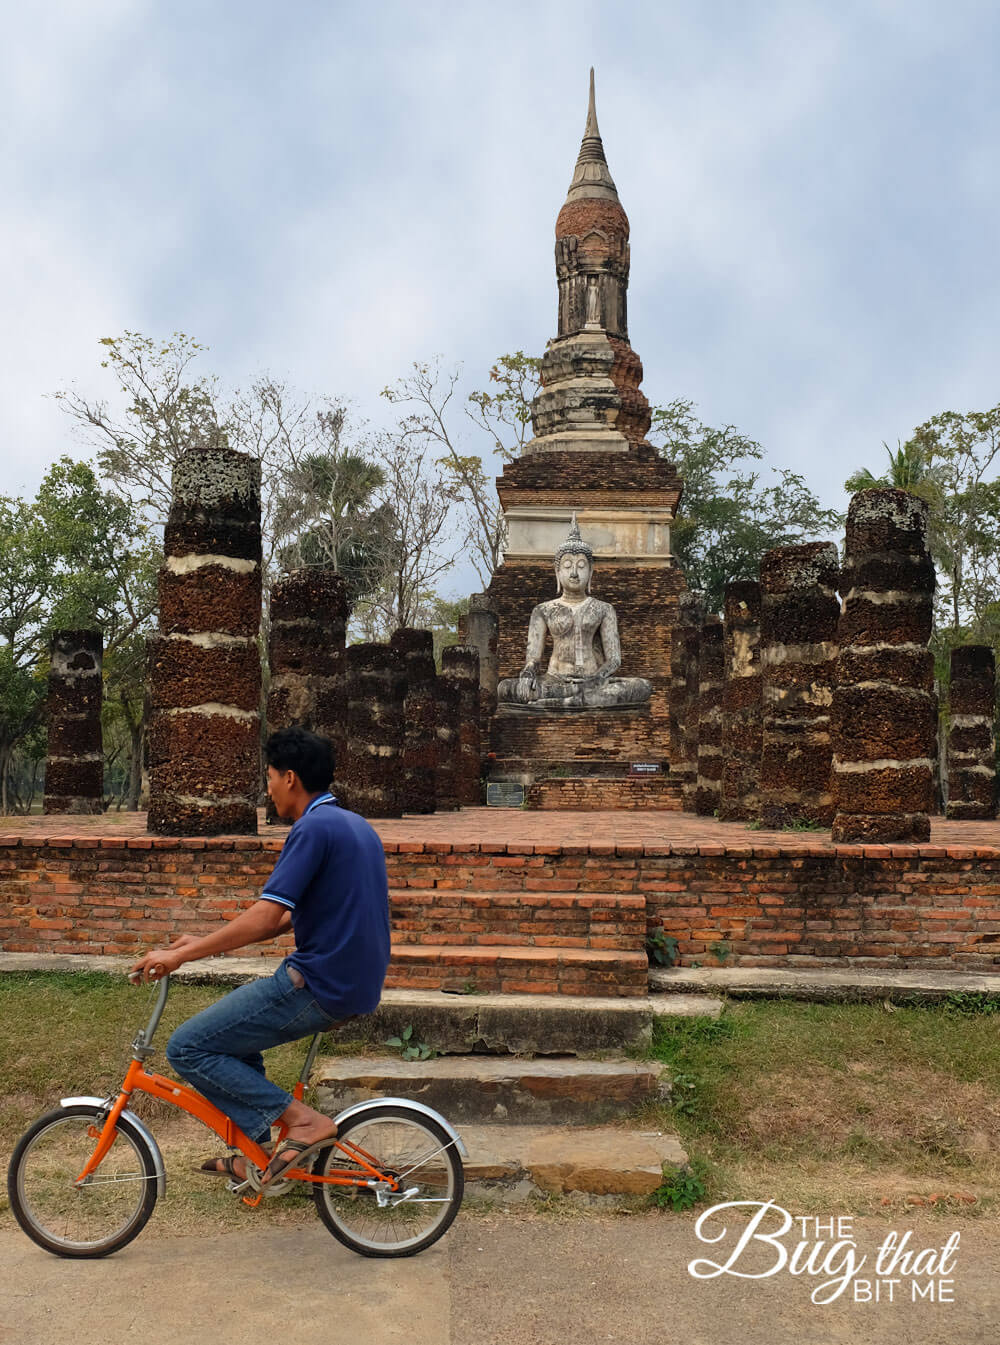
(204, 666)
(742, 704)
(884, 718)
(798, 633)
(416, 647)
(309, 614)
(683, 686)
(972, 783)
(711, 671)
(74, 764)
(373, 760)
(460, 664)
(480, 627)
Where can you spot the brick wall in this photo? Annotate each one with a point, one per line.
(928, 906)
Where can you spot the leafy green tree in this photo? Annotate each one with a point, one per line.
(728, 516)
(75, 556)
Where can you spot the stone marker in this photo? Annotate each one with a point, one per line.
(742, 704)
(309, 614)
(798, 633)
(683, 691)
(418, 784)
(711, 671)
(74, 763)
(372, 772)
(884, 717)
(972, 791)
(204, 666)
(460, 664)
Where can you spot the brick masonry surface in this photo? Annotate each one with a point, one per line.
(102, 885)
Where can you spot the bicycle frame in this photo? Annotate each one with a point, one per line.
(139, 1080)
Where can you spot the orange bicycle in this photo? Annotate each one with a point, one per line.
(84, 1179)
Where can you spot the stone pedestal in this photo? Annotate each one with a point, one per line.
(798, 640)
(74, 763)
(419, 778)
(972, 783)
(204, 666)
(884, 717)
(742, 704)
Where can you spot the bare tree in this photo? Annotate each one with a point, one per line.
(502, 415)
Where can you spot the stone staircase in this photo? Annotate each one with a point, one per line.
(518, 942)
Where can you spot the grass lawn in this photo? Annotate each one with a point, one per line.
(823, 1108)
(840, 1107)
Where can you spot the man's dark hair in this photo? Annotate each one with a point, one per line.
(307, 754)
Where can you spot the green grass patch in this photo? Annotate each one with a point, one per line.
(838, 1105)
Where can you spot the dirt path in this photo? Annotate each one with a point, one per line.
(503, 1279)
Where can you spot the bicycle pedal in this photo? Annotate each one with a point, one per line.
(237, 1187)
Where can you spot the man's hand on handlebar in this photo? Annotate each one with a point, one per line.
(157, 963)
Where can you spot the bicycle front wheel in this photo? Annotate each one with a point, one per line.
(93, 1219)
(407, 1148)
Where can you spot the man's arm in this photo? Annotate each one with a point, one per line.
(259, 922)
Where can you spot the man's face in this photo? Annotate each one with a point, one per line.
(280, 787)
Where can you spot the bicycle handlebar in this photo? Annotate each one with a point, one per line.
(146, 1033)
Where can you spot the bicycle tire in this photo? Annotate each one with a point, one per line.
(84, 1222)
(406, 1143)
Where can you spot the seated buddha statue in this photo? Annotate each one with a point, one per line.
(586, 652)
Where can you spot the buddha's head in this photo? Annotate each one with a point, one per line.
(574, 563)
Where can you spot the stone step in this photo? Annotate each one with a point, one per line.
(594, 1163)
(476, 1088)
(827, 983)
(528, 919)
(507, 969)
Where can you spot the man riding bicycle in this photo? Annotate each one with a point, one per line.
(330, 888)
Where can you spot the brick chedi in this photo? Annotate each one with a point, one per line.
(418, 783)
(308, 623)
(684, 696)
(204, 665)
(460, 665)
(711, 676)
(74, 763)
(884, 709)
(589, 455)
(742, 704)
(972, 782)
(375, 735)
(798, 633)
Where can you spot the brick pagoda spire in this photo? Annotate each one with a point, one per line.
(589, 456)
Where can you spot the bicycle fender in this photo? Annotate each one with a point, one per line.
(410, 1105)
(137, 1124)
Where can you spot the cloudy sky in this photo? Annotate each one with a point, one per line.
(329, 191)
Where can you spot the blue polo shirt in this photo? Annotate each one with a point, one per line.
(331, 876)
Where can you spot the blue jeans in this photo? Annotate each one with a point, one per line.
(218, 1051)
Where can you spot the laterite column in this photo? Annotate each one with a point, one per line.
(204, 666)
(711, 671)
(373, 759)
(884, 709)
(972, 784)
(460, 664)
(684, 643)
(798, 636)
(74, 764)
(742, 704)
(416, 648)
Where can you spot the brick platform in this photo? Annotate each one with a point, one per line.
(483, 895)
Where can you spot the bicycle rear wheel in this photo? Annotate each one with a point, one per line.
(405, 1145)
(100, 1216)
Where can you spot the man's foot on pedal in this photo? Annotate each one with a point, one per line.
(291, 1151)
(232, 1166)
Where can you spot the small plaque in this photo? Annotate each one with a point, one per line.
(645, 768)
(503, 794)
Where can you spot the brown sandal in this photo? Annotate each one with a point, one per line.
(224, 1167)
